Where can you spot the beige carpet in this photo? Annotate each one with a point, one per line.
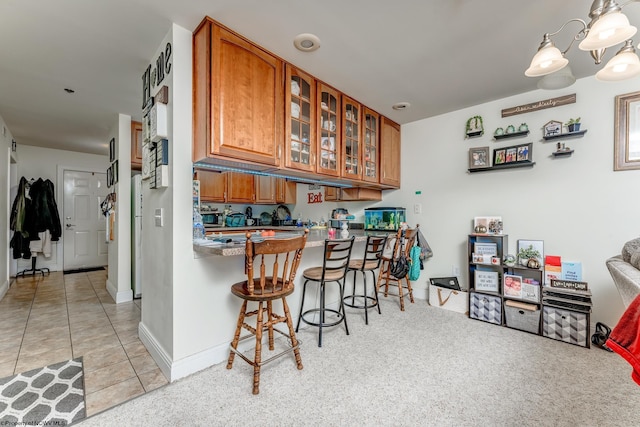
(424, 366)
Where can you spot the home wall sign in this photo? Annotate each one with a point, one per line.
(540, 105)
(154, 76)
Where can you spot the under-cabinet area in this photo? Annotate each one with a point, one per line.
(254, 111)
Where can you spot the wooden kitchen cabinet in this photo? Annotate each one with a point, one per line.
(286, 191)
(136, 145)
(351, 139)
(354, 194)
(238, 97)
(300, 110)
(271, 190)
(328, 140)
(389, 153)
(226, 187)
(240, 187)
(213, 186)
(371, 146)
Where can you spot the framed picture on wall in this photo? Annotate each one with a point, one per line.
(479, 157)
(112, 149)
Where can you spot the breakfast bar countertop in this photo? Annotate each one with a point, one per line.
(316, 238)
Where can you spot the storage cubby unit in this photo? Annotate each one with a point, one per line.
(552, 312)
(519, 309)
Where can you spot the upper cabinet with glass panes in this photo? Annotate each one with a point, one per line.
(371, 146)
(300, 145)
(329, 154)
(351, 139)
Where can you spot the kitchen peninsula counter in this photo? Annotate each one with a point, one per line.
(316, 238)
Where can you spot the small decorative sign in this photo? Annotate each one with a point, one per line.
(540, 105)
(314, 197)
(569, 284)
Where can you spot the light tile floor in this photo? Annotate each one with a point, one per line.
(44, 320)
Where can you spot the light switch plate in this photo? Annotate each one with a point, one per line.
(159, 217)
(417, 208)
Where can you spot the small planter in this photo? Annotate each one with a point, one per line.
(574, 127)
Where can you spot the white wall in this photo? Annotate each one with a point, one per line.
(119, 249)
(579, 207)
(38, 162)
(160, 245)
(5, 206)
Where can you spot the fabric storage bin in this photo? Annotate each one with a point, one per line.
(485, 307)
(449, 299)
(525, 317)
(565, 325)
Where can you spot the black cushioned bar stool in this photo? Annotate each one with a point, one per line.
(337, 253)
(369, 263)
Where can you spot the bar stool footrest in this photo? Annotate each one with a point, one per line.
(374, 302)
(325, 324)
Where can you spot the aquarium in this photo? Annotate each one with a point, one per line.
(384, 218)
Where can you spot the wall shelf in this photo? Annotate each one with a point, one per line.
(507, 166)
(565, 135)
(511, 135)
(565, 153)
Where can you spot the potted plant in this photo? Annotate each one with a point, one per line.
(573, 125)
(527, 253)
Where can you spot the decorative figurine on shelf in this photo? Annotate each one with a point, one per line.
(552, 128)
(499, 132)
(475, 127)
(573, 125)
(481, 229)
(510, 129)
(509, 260)
(523, 127)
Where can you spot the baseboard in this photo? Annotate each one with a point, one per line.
(119, 297)
(156, 351)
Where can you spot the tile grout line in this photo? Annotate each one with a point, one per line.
(24, 331)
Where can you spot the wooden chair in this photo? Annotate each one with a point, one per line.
(337, 253)
(263, 288)
(370, 262)
(404, 245)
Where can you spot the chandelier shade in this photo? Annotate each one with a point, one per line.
(549, 59)
(624, 65)
(559, 80)
(609, 30)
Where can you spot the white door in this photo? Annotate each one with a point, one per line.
(83, 223)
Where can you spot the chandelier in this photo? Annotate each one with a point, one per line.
(608, 27)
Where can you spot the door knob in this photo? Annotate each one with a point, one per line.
(70, 225)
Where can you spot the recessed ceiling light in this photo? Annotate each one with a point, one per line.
(401, 106)
(306, 42)
(66, 89)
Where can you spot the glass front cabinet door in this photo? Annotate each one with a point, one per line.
(351, 139)
(328, 161)
(301, 112)
(370, 148)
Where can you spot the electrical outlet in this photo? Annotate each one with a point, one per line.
(417, 208)
(455, 270)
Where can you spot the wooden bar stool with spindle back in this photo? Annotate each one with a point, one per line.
(405, 239)
(264, 288)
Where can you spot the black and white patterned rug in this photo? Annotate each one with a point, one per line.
(53, 395)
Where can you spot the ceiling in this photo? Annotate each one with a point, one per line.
(439, 56)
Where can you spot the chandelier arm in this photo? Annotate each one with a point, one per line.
(584, 25)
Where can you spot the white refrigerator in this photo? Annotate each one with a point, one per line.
(136, 235)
